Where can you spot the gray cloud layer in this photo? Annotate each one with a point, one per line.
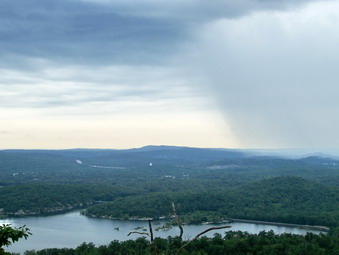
(196, 10)
(266, 77)
(120, 32)
(77, 32)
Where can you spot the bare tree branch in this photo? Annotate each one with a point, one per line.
(137, 232)
(150, 230)
(150, 235)
(155, 248)
(200, 234)
(177, 219)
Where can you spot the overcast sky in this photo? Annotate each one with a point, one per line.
(128, 73)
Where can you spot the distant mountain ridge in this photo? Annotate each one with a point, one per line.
(80, 165)
(279, 153)
(150, 152)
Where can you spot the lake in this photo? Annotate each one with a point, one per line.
(71, 229)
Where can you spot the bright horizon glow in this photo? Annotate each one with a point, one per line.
(119, 132)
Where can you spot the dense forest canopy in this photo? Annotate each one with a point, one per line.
(231, 243)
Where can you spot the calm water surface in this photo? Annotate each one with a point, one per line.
(71, 229)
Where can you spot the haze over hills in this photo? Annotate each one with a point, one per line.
(157, 154)
(188, 153)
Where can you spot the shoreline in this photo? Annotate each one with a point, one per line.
(280, 224)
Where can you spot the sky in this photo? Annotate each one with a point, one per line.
(129, 73)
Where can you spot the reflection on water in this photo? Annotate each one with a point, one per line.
(71, 229)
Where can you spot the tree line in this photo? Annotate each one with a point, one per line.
(232, 243)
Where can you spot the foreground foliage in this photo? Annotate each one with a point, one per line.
(9, 235)
(235, 243)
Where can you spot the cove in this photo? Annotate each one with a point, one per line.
(71, 229)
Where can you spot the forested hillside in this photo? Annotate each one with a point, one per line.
(206, 184)
(281, 199)
(154, 162)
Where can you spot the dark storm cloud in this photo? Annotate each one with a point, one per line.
(119, 32)
(197, 10)
(74, 31)
(73, 46)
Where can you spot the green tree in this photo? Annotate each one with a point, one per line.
(9, 235)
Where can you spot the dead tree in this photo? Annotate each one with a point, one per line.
(198, 235)
(178, 221)
(149, 234)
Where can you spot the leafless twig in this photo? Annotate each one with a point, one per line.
(200, 234)
(137, 232)
(150, 230)
(150, 235)
(177, 219)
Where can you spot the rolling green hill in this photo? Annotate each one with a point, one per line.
(281, 199)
